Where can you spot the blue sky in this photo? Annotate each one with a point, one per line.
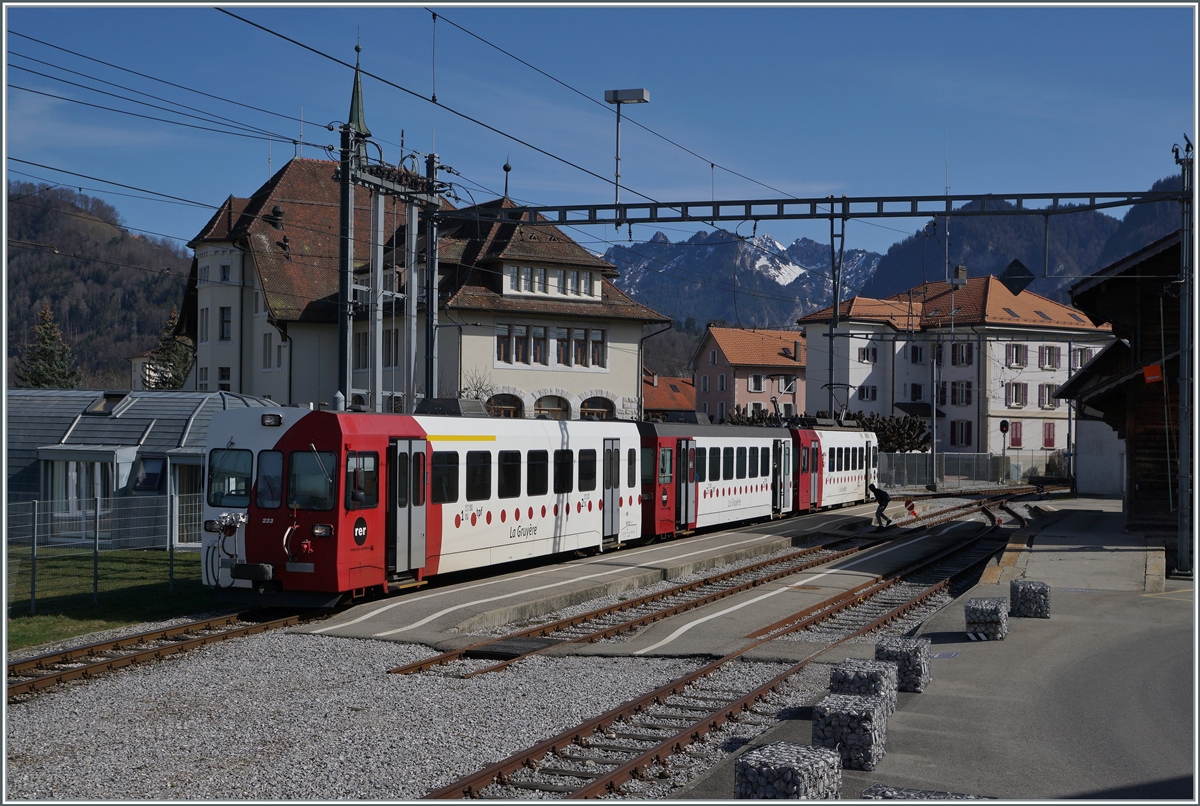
(811, 101)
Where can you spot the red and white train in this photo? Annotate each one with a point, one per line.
(318, 505)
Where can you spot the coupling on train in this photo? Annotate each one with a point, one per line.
(313, 506)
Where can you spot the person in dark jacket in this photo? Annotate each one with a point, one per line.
(883, 499)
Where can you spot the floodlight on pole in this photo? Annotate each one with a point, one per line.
(618, 98)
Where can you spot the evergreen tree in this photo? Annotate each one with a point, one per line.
(171, 360)
(48, 363)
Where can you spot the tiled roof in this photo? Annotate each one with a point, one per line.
(671, 394)
(982, 301)
(765, 348)
(301, 284)
(898, 314)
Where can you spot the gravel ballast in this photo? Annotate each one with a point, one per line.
(277, 716)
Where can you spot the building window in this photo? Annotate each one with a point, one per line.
(503, 345)
(541, 281)
(266, 354)
(560, 281)
(508, 407)
(203, 325)
(916, 354)
(223, 379)
(552, 407)
(960, 433)
(1016, 394)
(962, 355)
(941, 394)
(589, 287)
(202, 278)
(226, 273)
(704, 407)
(562, 346)
(755, 408)
(867, 355)
(599, 407)
(1049, 356)
(703, 383)
(790, 411)
(573, 277)
(1046, 398)
(520, 342)
(721, 410)
(527, 275)
(1014, 433)
(1081, 356)
(755, 383)
(226, 333)
(721, 382)
(202, 379)
(712, 357)
(579, 339)
(1016, 355)
(362, 350)
(538, 340)
(867, 392)
(787, 385)
(514, 278)
(598, 353)
(960, 393)
(1048, 435)
(917, 391)
(391, 347)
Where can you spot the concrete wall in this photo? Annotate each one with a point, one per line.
(1099, 459)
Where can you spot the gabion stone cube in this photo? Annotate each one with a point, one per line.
(1029, 599)
(788, 770)
(856, 727)
(866, 678)
(911, 656)
(987, 619)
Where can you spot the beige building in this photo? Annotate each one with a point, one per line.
(747, 368)
(529, 321)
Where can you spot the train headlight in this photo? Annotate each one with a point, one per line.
(210, 525)
(272, 419)
(322, 530)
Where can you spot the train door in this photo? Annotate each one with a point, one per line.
(814, 465)
(866, 465)
(406, 505)
(686, 497)
(612, 488)
(781, 476)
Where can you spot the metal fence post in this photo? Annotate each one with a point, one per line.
(33, 564)
(96, 555)
(172, 524)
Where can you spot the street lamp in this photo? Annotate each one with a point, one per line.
(619, 97)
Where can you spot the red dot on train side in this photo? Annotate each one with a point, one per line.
(556, 510)
(531, 512)
(489, 517)
(544, 511)
(621, 501)
(579, 506)
(503, 515)
(472, 518)
(599, 504)
(517, 514)
(589, 506)
(457, 521)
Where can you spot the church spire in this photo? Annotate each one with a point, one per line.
(357, 119)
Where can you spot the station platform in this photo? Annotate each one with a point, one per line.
(1096, 702)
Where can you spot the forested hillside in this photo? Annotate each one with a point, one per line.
(110, 290)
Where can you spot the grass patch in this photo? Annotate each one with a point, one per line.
(133, 589)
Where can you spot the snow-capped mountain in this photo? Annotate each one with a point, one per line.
(718, 276)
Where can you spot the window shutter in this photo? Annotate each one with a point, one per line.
(970, 354)
(1024, 394)
(953, 434)
(1008, 394)
(874, 393)
(1041, 394)
(954, 355)
(1041, 356)
(942, 393)
(1051, 389)
(967, 393)
(1008, 354)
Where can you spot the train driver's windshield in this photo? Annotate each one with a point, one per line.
(229, 477)
(311, 480)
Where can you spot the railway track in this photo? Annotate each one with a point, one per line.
(34, 674)
(596, 758)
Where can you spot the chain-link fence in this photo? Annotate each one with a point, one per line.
(65, 554)
(958, 470)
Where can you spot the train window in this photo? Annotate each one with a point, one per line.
(564, 471)
(229, 477)
(727, 464)
(444, 477)
(362, 480)
(714, 464)
(400, 483)
(701, 460)
(479, 475)
(632, 468)
(418, 479)
(754, 463)
(764, 468)
(803, 454)
(664, 465)
(311, 482)
(842, 463)
(537, 472)
(508, 474)
(832, 466)
(587, 470)
(741, 463)
(612, 475)
(875, 456)
(647, 466)
(270, 480)
(862, 458)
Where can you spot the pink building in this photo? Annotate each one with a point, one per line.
(741, 367)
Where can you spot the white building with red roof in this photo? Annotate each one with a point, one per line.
(972, 349)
